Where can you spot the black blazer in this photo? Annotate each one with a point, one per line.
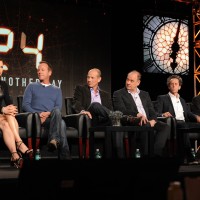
(164, 104)
(4, 95)
(82, 98)
(195, 106)
(123, 101)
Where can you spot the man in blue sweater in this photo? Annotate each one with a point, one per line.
(46, 99)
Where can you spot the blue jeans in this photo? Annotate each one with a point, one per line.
(56, 128)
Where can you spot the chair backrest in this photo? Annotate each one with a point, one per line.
(68, 105)
(155, 105)
(193, 134)
(19, 103)
(189, 104)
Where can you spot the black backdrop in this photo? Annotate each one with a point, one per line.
(128, 47)
(77, 37)
(82, 34)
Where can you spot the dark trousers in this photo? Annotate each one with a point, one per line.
(183, 140)
(100, 115)
(118, 145)
(161, 134)
(140, 140)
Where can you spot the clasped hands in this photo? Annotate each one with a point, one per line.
(144, 120)
(44, 116)
(10, 110)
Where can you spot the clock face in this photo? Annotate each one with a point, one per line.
(165, 45)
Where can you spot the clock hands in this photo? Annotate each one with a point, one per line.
(175, 48)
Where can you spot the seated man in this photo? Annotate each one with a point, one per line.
(46, 99)
(96, 103)
(132, 101)
(172, 105)
(92, 101)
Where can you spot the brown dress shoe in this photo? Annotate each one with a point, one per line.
(53, 145)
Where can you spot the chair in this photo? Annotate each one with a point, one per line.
(84, 126)
(74, 123)
(25, 127)
(194, 134)
(97, 135)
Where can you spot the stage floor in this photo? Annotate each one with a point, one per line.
(8, 172)
(103, 178)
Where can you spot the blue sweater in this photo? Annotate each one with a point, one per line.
(38, 98)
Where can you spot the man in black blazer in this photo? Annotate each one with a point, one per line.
(172, 105)
(130, 100)
(92, 101)
(96, 103)
(195, 106)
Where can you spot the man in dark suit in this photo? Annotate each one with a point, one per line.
(172, 105)
(92, 101)
(96, 103)
(132, 101)
(195, 106)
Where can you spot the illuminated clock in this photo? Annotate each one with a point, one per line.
(165, 45)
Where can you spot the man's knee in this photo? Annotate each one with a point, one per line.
(56, 111)
(63, 124)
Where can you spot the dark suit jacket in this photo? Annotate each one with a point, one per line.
(164, 104)
(195, 106)
(124, 102)
(82, 98)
